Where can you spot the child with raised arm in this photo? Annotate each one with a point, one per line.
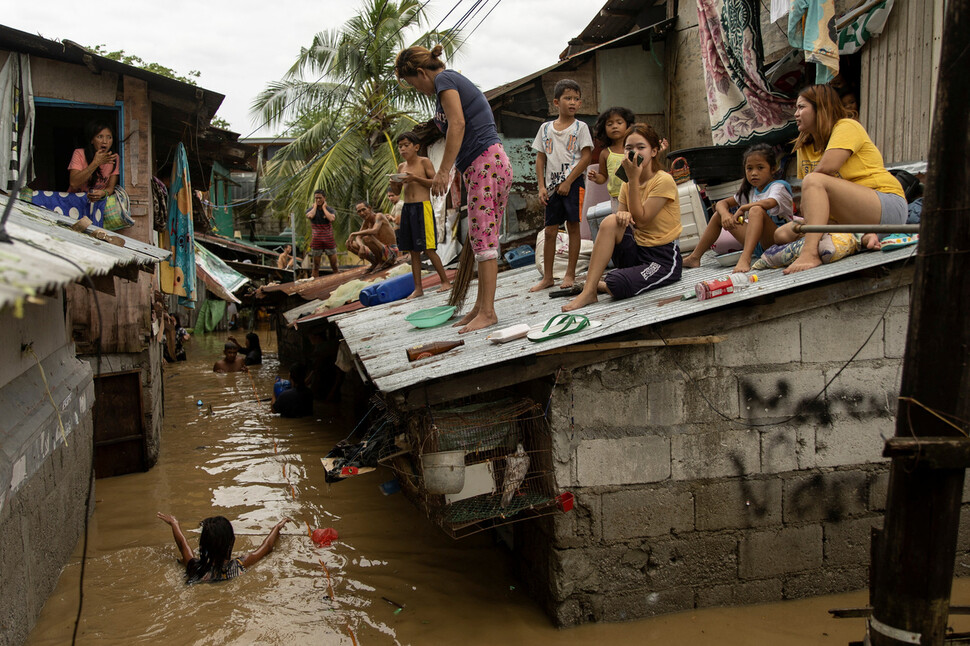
(763, 204)
(215, 562)
(564, 149)
(610, 131)
(418, 232)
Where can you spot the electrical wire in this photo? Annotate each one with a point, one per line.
(818, 395)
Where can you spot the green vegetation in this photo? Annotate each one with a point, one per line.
(342, 102)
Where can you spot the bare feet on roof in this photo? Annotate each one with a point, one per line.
(445, 286)
(480, 321)
(582, 300)
(690, 262)
(802, 263)
(415, 294)
(545, 283)
(466, 319)
(871, 241)
(567, 282)
(743, 266)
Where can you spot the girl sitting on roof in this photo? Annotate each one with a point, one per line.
(94, 168)
(215, 562)
(641, 237)
(844, 179)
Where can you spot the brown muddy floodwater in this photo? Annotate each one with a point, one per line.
(247, 464)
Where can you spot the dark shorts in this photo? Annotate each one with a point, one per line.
(564, 208)
(418, 231)
(642, 268)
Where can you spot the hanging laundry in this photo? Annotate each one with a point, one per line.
(811, 27)
(863, 27)
(740, 100)
(16, 120)
(72, 205)
(779, 9)
(178, 273)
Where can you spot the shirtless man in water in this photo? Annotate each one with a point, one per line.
(375, 240)
(232, 361)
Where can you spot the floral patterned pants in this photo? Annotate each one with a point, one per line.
(488, 179)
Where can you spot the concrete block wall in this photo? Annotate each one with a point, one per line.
(43, 485)
(711, 475)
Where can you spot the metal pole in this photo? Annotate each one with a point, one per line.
(293, 241)
(798, 227)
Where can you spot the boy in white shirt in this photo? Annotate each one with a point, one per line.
(565, 148)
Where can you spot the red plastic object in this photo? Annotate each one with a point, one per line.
(349, 471)
(323, 537)
(565, 501)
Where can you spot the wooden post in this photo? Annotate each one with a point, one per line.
(913, 568)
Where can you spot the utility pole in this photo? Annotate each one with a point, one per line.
(914, 555)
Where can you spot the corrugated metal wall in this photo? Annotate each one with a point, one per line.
(899, 80)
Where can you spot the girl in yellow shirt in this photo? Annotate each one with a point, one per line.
(844, 179)
(641, 237)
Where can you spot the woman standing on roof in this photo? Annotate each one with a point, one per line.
(94, 168)
(844, 179)
(473, 147)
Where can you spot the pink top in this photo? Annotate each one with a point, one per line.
(79, 162)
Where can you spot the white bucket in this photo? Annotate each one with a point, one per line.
(444, 472)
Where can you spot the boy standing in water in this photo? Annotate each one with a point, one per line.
(564, 149)
(418, 233)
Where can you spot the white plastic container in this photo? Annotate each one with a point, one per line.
(509, 334)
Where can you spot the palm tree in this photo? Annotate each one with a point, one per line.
(350, 114)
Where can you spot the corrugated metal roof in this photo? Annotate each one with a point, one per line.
(379, 335)
(26, 270)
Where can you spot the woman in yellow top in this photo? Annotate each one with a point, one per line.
(843, 176)
(641, 237)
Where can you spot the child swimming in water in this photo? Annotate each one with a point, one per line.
(215, 562)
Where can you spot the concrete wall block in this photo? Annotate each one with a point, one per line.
(574, 611)
(787, 448)
(852, 441)
(574, 571)
(847, 543)
(864, 388)
(736, 594)
(827, 496)
(707, 401)
(581, 526)
(835, 333)
(826, 581)
(771, 553)
(766, 343)
(739, 503)
(637, 604)
(879, 489)
(895, 329)
(642, 513)
(623, 461)
(692, 560)
(715, 454)
(665, 403)
(779, 395)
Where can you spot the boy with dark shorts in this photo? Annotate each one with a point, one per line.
(418, 232)
(321, 219)
(565, 148)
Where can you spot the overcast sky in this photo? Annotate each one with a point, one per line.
(240, 45)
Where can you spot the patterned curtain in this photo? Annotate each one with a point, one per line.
(742, 105)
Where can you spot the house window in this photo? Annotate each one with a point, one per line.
(59, 130)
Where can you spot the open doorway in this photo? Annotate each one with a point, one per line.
(58, 131)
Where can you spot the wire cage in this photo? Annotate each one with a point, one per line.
(508, 469)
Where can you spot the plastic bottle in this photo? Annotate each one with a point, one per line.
(430, 349)
(280, 385)
(721, 286)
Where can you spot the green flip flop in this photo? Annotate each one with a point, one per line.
(561, 325)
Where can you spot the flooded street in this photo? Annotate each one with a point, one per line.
(232, 457)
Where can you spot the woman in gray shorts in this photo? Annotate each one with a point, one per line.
(844, 179)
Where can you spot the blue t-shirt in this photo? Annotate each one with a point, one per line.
(480, 132)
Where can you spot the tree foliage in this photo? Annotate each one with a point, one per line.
(137, 61)
(342, 103)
